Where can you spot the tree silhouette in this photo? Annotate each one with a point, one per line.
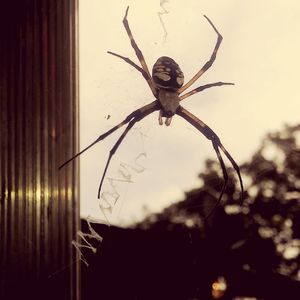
(264, 234)
(180, 252)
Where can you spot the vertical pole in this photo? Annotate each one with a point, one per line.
(39, 206)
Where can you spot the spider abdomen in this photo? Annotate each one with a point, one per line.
(167, 74)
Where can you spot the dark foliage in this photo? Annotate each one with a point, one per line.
(179, 253)
(270, 212)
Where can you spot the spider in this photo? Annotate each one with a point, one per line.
(166, 84)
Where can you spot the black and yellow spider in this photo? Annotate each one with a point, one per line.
(166, 84)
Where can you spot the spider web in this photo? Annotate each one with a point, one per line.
(160, 15)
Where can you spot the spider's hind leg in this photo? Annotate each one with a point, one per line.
(141, 114)
(212, 136)
(225, 176)
(113, 151)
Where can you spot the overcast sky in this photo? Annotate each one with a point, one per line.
(259, 53)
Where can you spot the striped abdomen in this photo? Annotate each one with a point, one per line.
(167, 74)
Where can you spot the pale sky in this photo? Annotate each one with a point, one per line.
(259, 53)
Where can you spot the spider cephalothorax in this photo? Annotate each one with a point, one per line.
(166, 84)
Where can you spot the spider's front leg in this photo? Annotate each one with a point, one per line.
(212, 136)
(209, 63)
(144, 70)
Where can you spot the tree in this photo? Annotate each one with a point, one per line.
(262, 236)
(180, 253)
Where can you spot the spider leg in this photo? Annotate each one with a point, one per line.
(121, 138)
(209, 63)
(212, 136)
(139, 113)
(139, 53)
(144, 73)
(225, 176)
(203, 87)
